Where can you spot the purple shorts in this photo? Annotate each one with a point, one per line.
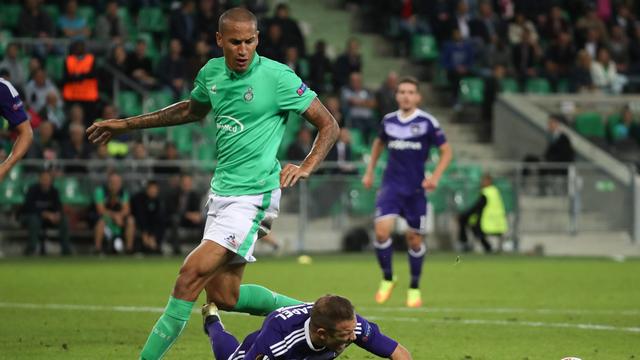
(412, 207)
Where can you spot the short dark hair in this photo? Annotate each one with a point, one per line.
(331, 309)
(236, 14)
(410, 80)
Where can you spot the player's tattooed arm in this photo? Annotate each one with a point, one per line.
(328, 132)
(179, 113)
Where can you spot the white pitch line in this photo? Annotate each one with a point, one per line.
(151, 309)
(503, 311)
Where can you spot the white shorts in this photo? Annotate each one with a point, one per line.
(235, 221)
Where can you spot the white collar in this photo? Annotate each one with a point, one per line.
(307, 336)
(408, 118)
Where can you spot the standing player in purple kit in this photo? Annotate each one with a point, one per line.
(12, 109)
(319, 331)
(407, 134)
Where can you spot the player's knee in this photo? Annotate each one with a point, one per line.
(382, 235)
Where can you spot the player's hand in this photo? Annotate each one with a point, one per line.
(290, 175)
(430, 183)
(101, 132)
(367, 180)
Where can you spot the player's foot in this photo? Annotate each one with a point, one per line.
(209, 315)
(414, 298)
(384, 290)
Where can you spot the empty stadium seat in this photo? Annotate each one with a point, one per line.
(590, 125)
(11, 193)
(509, 86)
(89, 14)
(472, 90)
(424, 48)
(72, 192)
(55, 67)
(538, 86)
(10, 15)
(129, 103)
(151, 19)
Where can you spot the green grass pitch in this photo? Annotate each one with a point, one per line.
(495, 307)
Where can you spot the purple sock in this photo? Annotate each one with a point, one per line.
(223, 343)
(415, 264)
(384, 252)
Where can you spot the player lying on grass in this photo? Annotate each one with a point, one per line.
(321, 331)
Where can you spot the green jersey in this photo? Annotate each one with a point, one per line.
(250, 110)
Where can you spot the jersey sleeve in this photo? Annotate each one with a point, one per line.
(293, 94)
(369, 337)
(199, 92)
(436, 135)
(11, 107)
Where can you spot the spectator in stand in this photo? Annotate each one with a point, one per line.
(76, 115)
(80, 84)
(619, 47)
(593, 43)
(346, 64)
(168, 173)
(172, 69)
(76, 148)
(139, 166)
(625, 133)
(207, 20)
(555, 24)
(43, 209)
(34, 22)
(114, 216)
(634, 53)
(457, 59)
(185, 210)
(182, 26)
(591, 21)
(386, 94)
(497, 53)
(559, 59)
(139, 66)
(14, 66)
(101, 163)
(440, 18)
(44, 144)
(518, 27)
(110, 28)
(332, 103)
(526, 57)
(71, 25)
(119, 59)
(320, 68)
(37, 90)
(53, 110)
(625, 19)
(358, 105)
(291, 34)
(202, 54)
(410, 20)
(273, 44)
(341, 154)
(461, 20)
(605, 74)
(148, 210)
(297, 64)
(299, 149)
(488, 26)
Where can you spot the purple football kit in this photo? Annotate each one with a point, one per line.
(285, 336)
(11, 107)
(408, 141)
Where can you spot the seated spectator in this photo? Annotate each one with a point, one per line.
(291, 34)
(80, 84)
(485, 217)
(457, 59)
(119, 59)
(411, 23)
(386, 94)
(76, 148)
(358, 106)
(139, 66)
(591, 21)
(461, 20)
(44, 145)
(76, 115)
(110, 27)
(619, 47)
(627, 132)
(581, 80)
(440, 17)
(14, 66)
(297, 64)
(559, 59)
(101, 163)
(34, 22)
(592, 43)
(53, 110)
(71, 25)
(148, 211)
(168, 173)
(488, 25)
(43, 209)
(114, 217)
(320, 68)
(139, 166)
(332, 103)
(555, 24)
(605, 74)
(182, 25)
(203, 53)
(207, 17)
(346, 64)
(625, 19)
(497, 53)
(273, 45)
(37, 90)
(299, 149)
(172, 69)
(518, 27)
(185, 210)
(526, 56)
(341, 154)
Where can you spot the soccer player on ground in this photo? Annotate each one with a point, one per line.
(407, 134)
(322, 330)
(250, 96)
(12, 109)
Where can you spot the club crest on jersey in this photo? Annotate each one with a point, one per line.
(248, 96)
(303, 87)
(415, 129)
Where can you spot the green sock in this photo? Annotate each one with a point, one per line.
(167, 329)
(258, 300)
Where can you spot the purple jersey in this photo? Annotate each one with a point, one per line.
(11, 107)
(408, 142)
(285, 335)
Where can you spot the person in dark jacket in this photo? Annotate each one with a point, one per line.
(149, 213)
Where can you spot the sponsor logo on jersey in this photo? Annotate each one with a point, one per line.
(229, 124)
(303, 87)
(405, 145)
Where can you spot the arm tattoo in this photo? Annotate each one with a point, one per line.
(328, 132)
(179, 113)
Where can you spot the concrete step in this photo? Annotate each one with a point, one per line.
(616, 244)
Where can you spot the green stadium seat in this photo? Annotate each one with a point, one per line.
(158, 100)
(509, 86)
(151, 19)
(72, 192)
(181, 137)
(53, 11)
(424, 48)
(472, 90)
(590, 125)
(438, 200)
(11, 193)
(359, 145)
(10, 15)
(538, 86)
(440, 79)
(563, 86)
(55, 67)
(125, 16)
(129, 103)
(5, 39)
(89, 14)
